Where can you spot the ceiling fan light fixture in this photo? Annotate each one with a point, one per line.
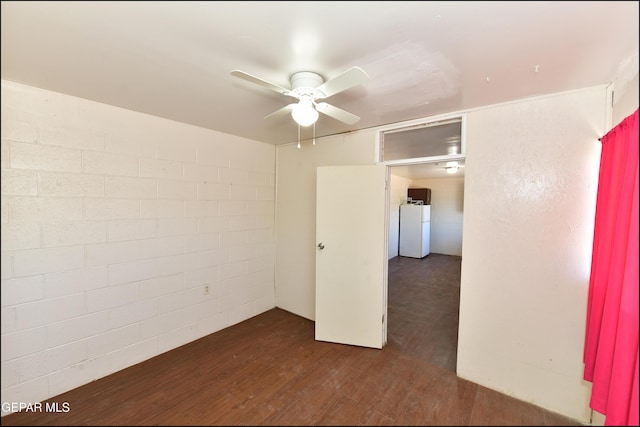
(303, 113)
(451, 169)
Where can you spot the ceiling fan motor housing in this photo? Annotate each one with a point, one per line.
(305, 83)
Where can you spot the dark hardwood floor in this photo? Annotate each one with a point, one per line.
(423, 305)
(269, 370)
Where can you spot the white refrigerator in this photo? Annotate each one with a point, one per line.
(415, 230)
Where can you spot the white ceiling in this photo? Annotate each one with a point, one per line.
(173, 58)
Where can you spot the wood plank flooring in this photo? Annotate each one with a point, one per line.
(269, 370)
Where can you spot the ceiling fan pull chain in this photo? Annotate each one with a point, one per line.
(298, 137)
(314, 133)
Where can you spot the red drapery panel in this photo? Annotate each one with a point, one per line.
(611, 341)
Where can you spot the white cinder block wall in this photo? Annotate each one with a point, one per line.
(113, 225)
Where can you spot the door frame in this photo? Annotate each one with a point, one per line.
(410, 162)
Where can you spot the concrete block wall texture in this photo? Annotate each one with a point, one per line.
(113, 224)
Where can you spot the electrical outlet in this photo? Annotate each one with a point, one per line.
(206, 290)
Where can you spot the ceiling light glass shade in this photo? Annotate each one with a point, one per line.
(452, 169)
(304, 113)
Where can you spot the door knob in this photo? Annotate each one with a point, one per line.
(321, 245)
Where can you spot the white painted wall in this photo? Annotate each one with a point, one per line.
(112, 223)
(529, 204)
(447, 204)
(626, 98)
(397, 197)
(530, 187)
(296, 212)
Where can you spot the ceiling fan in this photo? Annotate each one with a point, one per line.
(309, 87)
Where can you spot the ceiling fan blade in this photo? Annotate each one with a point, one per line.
(336, 113)
(350, 78)
(282, 111)
(260, 82)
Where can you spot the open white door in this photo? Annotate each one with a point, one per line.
(351, 255)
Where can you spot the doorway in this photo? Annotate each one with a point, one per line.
(423, 294)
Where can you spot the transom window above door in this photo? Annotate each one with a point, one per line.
(440, 139)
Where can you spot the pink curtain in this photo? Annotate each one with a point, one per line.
(611, 342)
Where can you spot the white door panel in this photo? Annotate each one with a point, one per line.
(351, 255)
